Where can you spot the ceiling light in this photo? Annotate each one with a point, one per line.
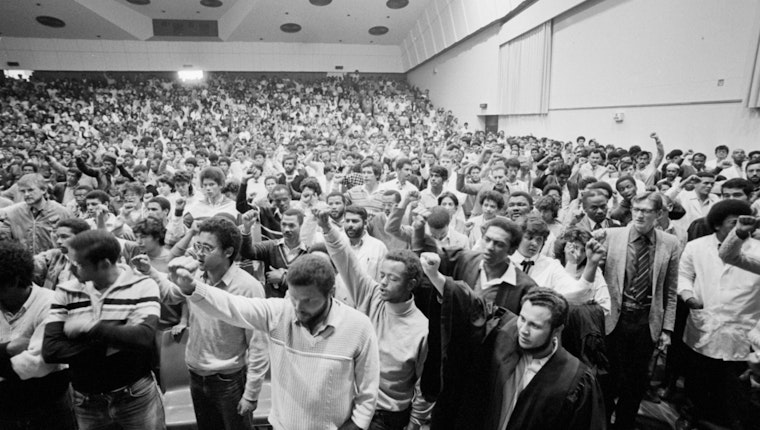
(139, 2)
(290, 27)
(397, 4)
(50, 21)
(211, 3)
(378, 31)
(320, 2)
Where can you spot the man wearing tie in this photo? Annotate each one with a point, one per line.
(642, 275)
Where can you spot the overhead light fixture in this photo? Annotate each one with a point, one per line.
(190, 75)
(320, 2)
(378, 31)
(50, 21)
(139, 2)
(211, 3)
(290, 27)
(397, 4)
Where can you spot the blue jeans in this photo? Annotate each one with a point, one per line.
(138, 406)
(215, 400)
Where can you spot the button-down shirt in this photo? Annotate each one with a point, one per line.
(320, 379)
(730, 295)
(694, 207)
(203, 208)
(370, 252)
(489, 289)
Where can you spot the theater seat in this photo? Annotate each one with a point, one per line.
(175, 383)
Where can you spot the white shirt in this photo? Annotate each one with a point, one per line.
(395, 184)
(694, 207)
(549, 273)
(730, 295)
(370, 252)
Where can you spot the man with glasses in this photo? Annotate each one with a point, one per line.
(642, 275)
(225, 372)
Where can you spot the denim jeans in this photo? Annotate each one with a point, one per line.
(389, 420)
(138, 406)
(50, 415)
(215, 400)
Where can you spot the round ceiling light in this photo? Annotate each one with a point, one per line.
(50, 21)
(139, 2)
(320, 2)
(290, 27)
(378, 31)
(211, 3)
(397, 4)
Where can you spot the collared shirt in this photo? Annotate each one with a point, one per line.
(290, 254)
(548, 272)
(630, 264)
(489, 289)
(454, 239)
(203, 208)
(51, 268)
(215, 347)
(370, 252)
(730, 295)
(395, 184)
(694, 207)
(319, 380)
(599, 172)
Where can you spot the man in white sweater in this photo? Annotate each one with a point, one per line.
(401, 328)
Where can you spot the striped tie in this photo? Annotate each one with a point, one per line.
(642, 280)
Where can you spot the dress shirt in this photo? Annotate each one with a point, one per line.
(214, 346)
(489, 289)
(319, 380)
(454, 239)
(549, 273)
(730, 295)
(630, 265)
(599, 172)
(694, 207)
(203, 208)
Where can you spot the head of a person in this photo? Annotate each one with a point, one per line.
(371, 171)
(336, 201)
(671, 171)
(736, 189)
(553, 191)
(269, 183)
(492, 202)
(289, 164)
(16, 272)
(438, 222)
(535, 232)
(73, 175)
(705, 185)
(149, 234)
(140, 173)
(95, 198)
(280, 197)
(164, 185)
(80, 193)
(646, 208)
(698, 161)
(67, 228)
(449, 201)
(723, 216)
(543, 315)
(217, 244)
(739, 156)
(573, 239)
(752, 168)
(626, 186)
(403, 169)
(548, 206)
(158, 207)
(473, 174)
(183, 183)
(94, 255)
(32, 187)
(290, 224)
(643, 158)
(595, 205)
(519, 205)
(501, 237)
(132, 194)
(212, 182)
(29, 168)
(596, 157)
(438, 175)
(355, 221)
(191, 164)
(400, 273)
(311, 285)
(721, 151)
(390, 199)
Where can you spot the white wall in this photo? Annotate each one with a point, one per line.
(86, 55)
(463, 77)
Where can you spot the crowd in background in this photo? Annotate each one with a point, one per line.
(387, 266)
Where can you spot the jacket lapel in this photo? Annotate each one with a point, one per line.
(659, 253)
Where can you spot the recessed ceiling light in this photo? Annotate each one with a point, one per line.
(397, 4)
(320, 2)
(139, 2)
(378, 31)
(290, 27)
(211, 3)
(50, 21)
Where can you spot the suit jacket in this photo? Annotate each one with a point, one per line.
(667, 254)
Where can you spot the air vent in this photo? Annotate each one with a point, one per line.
(185, 28)
(12, 63)
(338, 67)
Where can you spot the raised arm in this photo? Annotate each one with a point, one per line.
(731, 248)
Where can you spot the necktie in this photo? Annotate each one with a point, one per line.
(526, 265)
(597, 226)
(642, 281)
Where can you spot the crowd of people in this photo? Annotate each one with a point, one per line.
(384, 265)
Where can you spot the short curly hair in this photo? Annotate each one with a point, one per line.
(226, 233)
(17, 269)
(312, 270)
(548, 203)
(412, 263)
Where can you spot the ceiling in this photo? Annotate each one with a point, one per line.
(341, 21)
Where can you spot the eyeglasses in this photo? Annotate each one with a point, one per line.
(644, 211)
(203, 248)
